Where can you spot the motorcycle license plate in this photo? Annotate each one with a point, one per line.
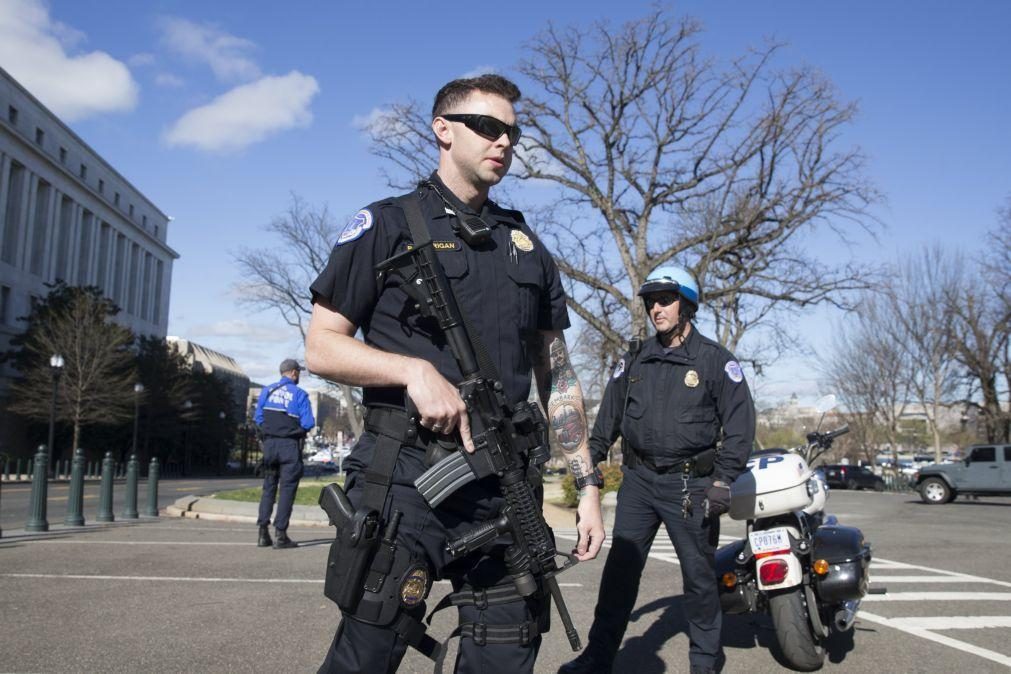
(772, 540)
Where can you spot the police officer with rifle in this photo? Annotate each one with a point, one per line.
(458, 301)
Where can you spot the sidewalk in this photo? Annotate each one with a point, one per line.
(207, 508)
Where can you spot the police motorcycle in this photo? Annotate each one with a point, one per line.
(803, 568)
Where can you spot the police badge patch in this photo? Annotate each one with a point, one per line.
(414, 587)
(619, 369)
(358, 225)
(521, 241)
(691, 378)
(734, 371)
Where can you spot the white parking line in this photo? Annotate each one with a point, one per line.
(939, 596)
(169, 578)
(978, 579)
(955, 622)
(63, 542)
(896, 623)
(955, 578)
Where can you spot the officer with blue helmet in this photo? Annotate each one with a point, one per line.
(687, 421)
(284, 416)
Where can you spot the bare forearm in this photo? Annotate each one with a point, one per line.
(562, 397)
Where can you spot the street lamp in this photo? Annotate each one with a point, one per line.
(187, 406)
(138, 388)
(56, 367)
(221, 451)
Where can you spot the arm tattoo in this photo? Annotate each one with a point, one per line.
(565, 406)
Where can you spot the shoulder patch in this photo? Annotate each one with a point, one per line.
(619, 369)
(357, 225)
(734, 371)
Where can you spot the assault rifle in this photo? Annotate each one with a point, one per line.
(502, 434)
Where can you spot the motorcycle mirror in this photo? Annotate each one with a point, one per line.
(826, 403)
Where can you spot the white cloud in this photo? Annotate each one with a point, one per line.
(168, 81)
(380, 122)
(34, 49)
(140, 60)
(244, 330)
(227, 55)
(247, 114)
(478, 71)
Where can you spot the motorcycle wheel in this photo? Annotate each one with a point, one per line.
(797, 643)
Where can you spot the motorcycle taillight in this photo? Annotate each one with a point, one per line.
(773, 571)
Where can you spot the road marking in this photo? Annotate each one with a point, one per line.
(968, 622)
(940, 596)
(168, 578)
(954, 578)
(897, 623)
(63, 542)
(979, 579)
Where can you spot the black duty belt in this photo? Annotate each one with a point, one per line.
(395, 422)
(686, 465)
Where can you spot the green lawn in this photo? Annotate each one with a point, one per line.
(307, 494)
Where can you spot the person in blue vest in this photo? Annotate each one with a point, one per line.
(284, 417)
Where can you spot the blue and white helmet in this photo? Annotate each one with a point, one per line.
(671, 279)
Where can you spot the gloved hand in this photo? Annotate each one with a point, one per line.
(717, 498)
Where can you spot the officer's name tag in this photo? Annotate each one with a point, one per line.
(440, 245)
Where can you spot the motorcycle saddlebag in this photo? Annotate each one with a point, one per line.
(741, 597)
(849, 560)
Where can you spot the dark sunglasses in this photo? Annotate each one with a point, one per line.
(663, 299)
(486, 126)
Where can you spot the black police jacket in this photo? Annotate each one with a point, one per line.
(508, 288)
(670, 404)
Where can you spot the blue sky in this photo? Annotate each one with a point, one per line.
(217, 111)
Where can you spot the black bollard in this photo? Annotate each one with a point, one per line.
(40, 485)
(130, 498)
(152, 489)
(75, 501)
(105, 499)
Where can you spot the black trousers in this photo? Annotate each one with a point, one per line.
(360, 647)
(645, 500)
(282, 458)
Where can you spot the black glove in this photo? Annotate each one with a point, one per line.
(717, 498)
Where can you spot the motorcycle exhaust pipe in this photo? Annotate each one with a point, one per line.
(845, 616)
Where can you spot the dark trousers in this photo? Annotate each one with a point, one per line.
(282, 466)
(646, 499)
(360, 647)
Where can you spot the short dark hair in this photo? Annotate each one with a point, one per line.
(457, 91)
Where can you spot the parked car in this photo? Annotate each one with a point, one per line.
(841, 476)
(986, 471)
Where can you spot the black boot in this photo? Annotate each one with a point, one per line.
(589, 661)
(283, 541)
(264, 540)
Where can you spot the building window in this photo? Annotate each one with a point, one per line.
(40, 136)
(143, 221)
(116, 199)
(63, 155)
(5, 303)
(11, 223)
(83, 172)
(101, 186)
(40, 230)
(12, 114)
(131, 210)
(156, 228)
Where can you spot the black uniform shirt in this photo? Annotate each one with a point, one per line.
(508, 288)
(678, 400)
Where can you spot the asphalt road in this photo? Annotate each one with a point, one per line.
(181, 595)
(15, 497)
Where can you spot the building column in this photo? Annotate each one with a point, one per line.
(28, 220)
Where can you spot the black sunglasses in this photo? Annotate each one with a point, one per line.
(486, 126)
(663, 299)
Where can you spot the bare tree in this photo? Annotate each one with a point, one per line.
(982, 325)
(96, 383)
(871, 372)
(278, 278)
(919, 320)
(658, 155)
